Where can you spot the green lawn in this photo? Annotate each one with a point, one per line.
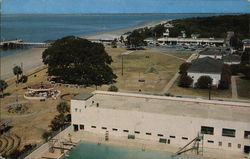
(243, 88)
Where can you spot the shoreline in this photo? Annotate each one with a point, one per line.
(32, 58)
(119, 32)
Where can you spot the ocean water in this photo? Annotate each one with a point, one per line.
(87, 150)
(39, 28)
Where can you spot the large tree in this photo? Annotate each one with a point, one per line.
(17, 70)
(3, 86)
(78, 61)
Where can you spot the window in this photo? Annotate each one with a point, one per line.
(82, 127)
(228, 132)
(137, 132)
(75, 127)
(162, 140)
(207, 130)
(239, 146)
(229, 144)
(75, 109)
(93, 126)
(247, 134)
(104, 128)
(220, 143)
(184, 138)
(172, 136)
(79, 110)
(114, 129)
(159, 135)
(210, 141)
(125, 131)
(148, 133)
(131, 136)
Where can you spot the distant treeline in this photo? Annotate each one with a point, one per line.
(216, 26)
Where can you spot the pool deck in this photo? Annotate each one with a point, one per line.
(84, 136)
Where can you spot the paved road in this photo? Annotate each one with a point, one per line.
(234, 87)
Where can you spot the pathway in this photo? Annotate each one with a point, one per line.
(234, 87)
(171, 82)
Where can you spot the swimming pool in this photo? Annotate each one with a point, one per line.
(86, 150)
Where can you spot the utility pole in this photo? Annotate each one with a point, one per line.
(122, 65)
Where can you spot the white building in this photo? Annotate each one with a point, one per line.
(231, 59)
(172, 120)
(213, 53)
(246, 44)
(197, 41)
(206, 66)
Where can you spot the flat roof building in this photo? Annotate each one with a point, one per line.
(224, 125)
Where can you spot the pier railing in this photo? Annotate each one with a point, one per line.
(19, 43)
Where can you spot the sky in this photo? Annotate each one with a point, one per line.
(123, 6)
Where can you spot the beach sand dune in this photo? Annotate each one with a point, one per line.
(30, 59)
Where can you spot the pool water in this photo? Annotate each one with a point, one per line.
(86, 150)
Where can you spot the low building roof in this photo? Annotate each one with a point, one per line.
(217, 52)
(206, 65)
(83, 96)
(246, 41)
(231, 58)
(187, 107)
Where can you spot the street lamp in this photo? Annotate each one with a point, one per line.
(209, 91)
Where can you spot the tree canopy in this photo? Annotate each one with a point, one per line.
(78, 61)
(135, 40)
(3, 86)
(17, 70)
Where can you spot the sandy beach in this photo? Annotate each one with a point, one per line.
(117, 33)
(30, 59)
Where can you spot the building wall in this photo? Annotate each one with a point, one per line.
(167, 125)
(195, 76)
(212, 56)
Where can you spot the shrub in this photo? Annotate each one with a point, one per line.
(184, 67)
(224, 84)
(169, 94)
(203, 82)
(235, 69)
(23, 79)
(46, 135)
(113, 88)
(185, 81)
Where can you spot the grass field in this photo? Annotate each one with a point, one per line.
(243, 88)
(137, 66)
(175, 89)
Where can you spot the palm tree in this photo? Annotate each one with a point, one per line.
(17, 70)
(63, 107)
(3, 86)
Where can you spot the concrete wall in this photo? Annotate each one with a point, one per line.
(167, 125)
(195, 76)
(37, 154)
